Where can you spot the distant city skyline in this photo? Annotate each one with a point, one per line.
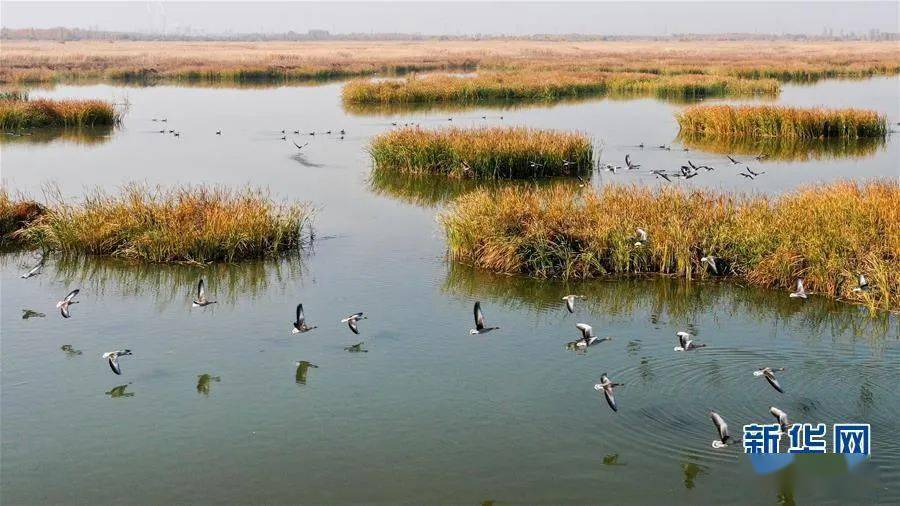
(470, 18)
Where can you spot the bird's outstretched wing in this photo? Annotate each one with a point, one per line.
(479, 317)
(300, 317)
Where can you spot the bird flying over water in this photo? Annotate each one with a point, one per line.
(606, 386)
(801, 292)
(769, 374)
(781, 416)
(352, 320)
(754, 174)
(685, 343)
(631, 166)
(711, 262)
(862, 283)
(112, 357)
(64, 304)
(732, 159)
(570, 301)
(299, 146)
(201, 300)
(641, 236)
(300, 323)
(748, 176)
(721, 428)
(587, 336)
(480, 327)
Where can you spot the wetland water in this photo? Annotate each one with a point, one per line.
(430, 413)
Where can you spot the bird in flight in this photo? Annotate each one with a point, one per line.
(480, 327)
(352, 320)
(769, 374)
(64, 304)
(300, 325)
(201, 300)
(606, 386)
(685, 343)
(570, 301)
(112, 357)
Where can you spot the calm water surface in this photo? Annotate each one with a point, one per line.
(430, 413)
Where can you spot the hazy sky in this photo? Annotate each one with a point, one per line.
(513, 18)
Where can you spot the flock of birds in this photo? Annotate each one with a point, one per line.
(284, 133)
(688, 171)
(685, 341)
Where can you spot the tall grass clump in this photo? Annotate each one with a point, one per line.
(548, 86)
(16, 213)
(781, 121)
(491, 153)
(189, 224)
(825, 234)
(17, 113)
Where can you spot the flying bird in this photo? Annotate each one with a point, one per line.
(201, 300)
(721, 428)
(607, 387)
(300, 325)
(299, 146)
(685, 343)
(587, 336)
(711, 262)
(781, 416)
(631, 166)
(480, 327)
(641, 237)
(769, 374)
(113, 358)
(732, 159)
(748, 176)
(801, 292)
(863, 284)
(352, 320)
(570, 301)
(754, 174)
(64, 304)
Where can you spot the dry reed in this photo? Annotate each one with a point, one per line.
(189, 224)
(825, 234)
(780, 121)
(491, 153)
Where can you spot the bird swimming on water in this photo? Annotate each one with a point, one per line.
(606, 386)
(201, 300)
(480, 327)
(570, 301)
(769, 374)
(721, 428)
(685, 343)
(800, 293)
(64, 304)
(352, 320)
(356, 348)
(300, 325)
(112, 357)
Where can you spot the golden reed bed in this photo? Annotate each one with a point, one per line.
(47, 61)
(826, 234)
(781, 121)
(483, 153)
(185, 224)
